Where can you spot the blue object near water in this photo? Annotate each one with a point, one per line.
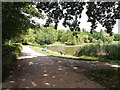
(44, 49)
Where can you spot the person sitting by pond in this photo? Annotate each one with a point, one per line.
(44, 49)
(62, 53)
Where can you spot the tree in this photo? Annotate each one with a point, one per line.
(106, 38)
(66, 36)
(90, 38)
(16, 19)
(60, 33)
(30, 36)
(80, 39)
(105, 13)
(96, 35)
(46, 36)
(94, 40)
(85, 38)
(116, 37)
(99, 41)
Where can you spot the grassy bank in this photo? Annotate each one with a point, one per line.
(83, 57)
(107, 77)
(9, 57)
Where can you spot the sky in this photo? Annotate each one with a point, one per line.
(84, 24)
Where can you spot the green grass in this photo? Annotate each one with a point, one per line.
(102, 59)
(58, 43)
(107, 77)
(48, 53)
(87, 58)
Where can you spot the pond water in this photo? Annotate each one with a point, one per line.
(67, 50)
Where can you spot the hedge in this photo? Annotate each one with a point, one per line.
(9, 58)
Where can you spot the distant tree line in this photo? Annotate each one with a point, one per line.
(17, 17)
(48, 35)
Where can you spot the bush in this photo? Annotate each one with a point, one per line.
(6, 47)
(109, 50)
(9, 58)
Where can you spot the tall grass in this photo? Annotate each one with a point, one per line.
(110, 51)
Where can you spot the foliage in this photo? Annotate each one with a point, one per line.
(89, 50)
(6, 47)
(47, 35)
(80, 39)
(85, 38)
(66, 36)
(7, 63)
(35, 44)
(103, 12)
(85, 58)
(16, 19)
(106, 39)
(60, 32)
(30, 36)
(40, 35)
(116, 37)
(94, 40)
(110, 51)
(99, 41)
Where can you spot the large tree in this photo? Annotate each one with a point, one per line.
(16, 18)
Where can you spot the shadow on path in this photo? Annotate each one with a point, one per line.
(35, 70)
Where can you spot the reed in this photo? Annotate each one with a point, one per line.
(110, 51)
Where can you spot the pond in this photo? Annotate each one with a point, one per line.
(68, 50)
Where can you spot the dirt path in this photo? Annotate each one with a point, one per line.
(35, 70)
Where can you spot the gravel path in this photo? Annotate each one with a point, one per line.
(36, 70)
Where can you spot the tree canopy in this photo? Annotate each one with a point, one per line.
(105, 13)
(16, 18)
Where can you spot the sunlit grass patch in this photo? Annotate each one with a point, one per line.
(107, 77)
(103, 59)
(85, 58)
(58, 43)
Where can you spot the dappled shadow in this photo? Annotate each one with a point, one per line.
(39, 70)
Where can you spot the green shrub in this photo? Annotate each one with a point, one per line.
(9, 58)
(7, 62)
(6, 47)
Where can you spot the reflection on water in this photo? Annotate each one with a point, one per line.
(67, 50)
